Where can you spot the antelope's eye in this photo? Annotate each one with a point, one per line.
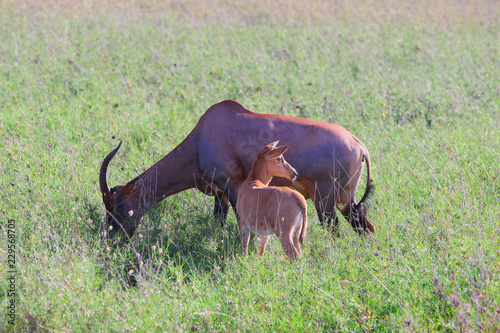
(280, 159)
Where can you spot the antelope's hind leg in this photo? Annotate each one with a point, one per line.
(326, 211)
(359, 222)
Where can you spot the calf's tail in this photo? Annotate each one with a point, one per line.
(303, 208)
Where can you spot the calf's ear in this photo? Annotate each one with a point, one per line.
(276, 152)
(273, 144)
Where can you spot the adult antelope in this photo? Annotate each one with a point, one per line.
(267, 210)
(217, 156)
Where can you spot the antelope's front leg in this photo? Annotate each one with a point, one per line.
(221, 208)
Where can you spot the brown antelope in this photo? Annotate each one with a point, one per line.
(267, 210)
(217, 156)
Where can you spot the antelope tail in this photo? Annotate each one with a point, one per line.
(363, 204)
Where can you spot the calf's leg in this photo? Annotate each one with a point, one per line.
(288, 246)
(296, 243)
(245, 238)
(262, 244)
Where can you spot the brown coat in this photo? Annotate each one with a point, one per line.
(217, 156)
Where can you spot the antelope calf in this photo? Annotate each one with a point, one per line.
(267, 210)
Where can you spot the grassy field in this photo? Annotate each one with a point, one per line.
(417, 82)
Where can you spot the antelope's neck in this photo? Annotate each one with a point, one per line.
(173, 173)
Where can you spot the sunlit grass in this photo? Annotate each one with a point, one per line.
(417, 83)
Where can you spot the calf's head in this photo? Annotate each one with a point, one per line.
(272, 161)
(122, 202)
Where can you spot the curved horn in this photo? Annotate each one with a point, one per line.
(104, 168)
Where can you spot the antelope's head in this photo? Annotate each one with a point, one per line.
(122, 202)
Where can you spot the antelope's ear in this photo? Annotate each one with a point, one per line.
(125, 190)
(130, 188)
(275, 153)
(370, 225)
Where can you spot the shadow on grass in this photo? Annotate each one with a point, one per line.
(172, 243)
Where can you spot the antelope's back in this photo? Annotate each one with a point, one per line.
(230, 136)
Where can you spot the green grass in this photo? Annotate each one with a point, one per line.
(419, 87)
